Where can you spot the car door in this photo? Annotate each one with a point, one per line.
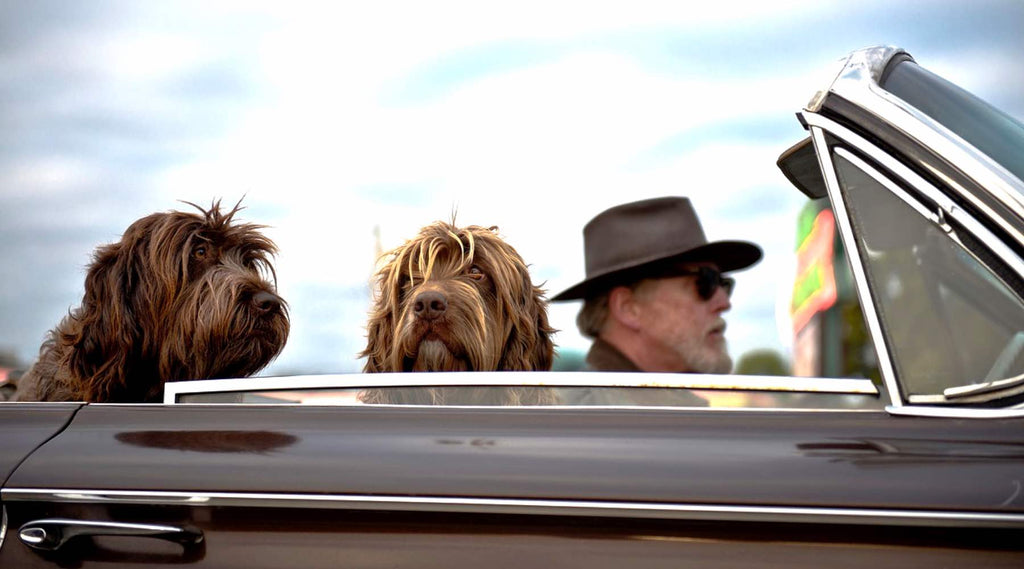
(272, 486)
(26, 427)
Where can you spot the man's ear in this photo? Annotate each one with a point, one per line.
(623, 307)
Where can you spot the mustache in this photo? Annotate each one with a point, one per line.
(719, 325)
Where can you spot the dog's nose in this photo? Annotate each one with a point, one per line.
(265, 301)
(430, 305)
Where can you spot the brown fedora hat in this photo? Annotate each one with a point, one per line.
(650, 238)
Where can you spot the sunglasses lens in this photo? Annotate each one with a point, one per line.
(728, 283)
(708, 281)
(706, 284)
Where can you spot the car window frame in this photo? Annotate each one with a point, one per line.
(857, 97)
(956, 237)
(858, 387)
(826, 134)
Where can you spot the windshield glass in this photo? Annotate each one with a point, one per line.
(949, 320)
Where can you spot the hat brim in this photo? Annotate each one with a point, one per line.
(728, 255)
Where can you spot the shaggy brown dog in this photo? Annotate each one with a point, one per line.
(456, 299)
(181, 296)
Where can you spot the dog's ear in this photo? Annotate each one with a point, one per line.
(529, 346)
(102, 332)
(379, 338)
(380, 329)
(544, 348)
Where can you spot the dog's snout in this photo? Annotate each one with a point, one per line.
(266, 301)
(430, 305)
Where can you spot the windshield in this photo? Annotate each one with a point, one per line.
(949, 319)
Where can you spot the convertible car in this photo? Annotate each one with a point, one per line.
(922, 465)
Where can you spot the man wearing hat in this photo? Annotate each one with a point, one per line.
(654, 291)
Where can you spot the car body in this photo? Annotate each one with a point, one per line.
(925, 466)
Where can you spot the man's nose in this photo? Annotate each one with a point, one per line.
(720, 301)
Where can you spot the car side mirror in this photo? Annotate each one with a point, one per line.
(800, 165)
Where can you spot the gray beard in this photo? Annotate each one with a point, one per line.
(718, 363)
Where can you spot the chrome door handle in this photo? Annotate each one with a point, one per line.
(51, 534)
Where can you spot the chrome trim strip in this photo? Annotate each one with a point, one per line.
(718, 512)
(546, 379)
(865, 66)
(862, 65)
(853, 254)
(926, 189)
(966, 392)
(3, 524)
(863, 90)
(956, 412)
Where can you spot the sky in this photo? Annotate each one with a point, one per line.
(348, 126)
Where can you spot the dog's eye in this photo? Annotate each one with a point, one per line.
(476, 272)
(200, 252)
(404, 286)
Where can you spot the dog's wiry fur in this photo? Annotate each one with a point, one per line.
(456, 299)
(181, 296)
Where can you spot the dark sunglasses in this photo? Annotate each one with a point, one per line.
(708, 281)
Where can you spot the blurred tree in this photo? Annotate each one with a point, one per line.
(10, 371)
(762, 362)
(9, 359)
(569, 360)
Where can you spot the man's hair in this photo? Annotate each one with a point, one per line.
(594, 313)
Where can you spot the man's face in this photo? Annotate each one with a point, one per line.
(686, 331)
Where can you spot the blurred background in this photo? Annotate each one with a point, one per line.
(346, 127)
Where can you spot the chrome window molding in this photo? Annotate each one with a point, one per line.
(867, 301)
(852, 386)
(641, 510)
(864, 66)
(858, 83)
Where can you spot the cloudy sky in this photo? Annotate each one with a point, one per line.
(341, 121)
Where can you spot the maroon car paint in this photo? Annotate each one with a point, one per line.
(761, 458)
(26, 426)
(842, 460)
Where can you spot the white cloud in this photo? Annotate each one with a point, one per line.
(45, 174)
(537, 152)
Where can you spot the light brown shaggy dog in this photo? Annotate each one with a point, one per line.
(181, 296)
(456, 299)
